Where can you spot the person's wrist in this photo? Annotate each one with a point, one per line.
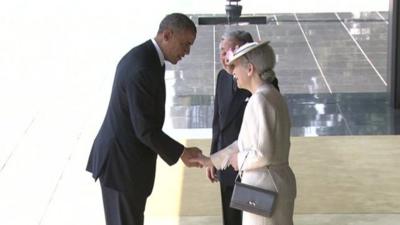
(183, 151)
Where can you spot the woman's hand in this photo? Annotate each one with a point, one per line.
(202, 160)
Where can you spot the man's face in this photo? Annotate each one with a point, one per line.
(224, 46)
(178, 45)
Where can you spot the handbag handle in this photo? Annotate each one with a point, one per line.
(241, 171)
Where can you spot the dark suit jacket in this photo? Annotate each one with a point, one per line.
(125, 150)
(229, 108)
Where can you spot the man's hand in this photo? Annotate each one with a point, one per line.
(190, 153)
(212, 174)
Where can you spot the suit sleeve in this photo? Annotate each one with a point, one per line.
(145, 118)
(215, 123)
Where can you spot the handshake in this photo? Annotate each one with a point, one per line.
(193, 157)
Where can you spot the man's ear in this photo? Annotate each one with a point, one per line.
(167, 34)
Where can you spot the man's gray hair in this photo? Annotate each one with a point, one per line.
(177, 22)
(238, 36)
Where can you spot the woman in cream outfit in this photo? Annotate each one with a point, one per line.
(264, 136)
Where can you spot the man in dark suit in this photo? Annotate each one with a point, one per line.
(125, 150)
(229, 105)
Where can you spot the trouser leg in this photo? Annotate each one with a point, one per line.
(230, 215)
(122, 208)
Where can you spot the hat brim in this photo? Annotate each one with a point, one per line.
(242, 51)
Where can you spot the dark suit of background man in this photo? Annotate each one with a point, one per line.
(229, 105)
(125, 150)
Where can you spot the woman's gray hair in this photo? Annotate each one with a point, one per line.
(263, 59)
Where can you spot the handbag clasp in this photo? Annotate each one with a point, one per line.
(252, 203)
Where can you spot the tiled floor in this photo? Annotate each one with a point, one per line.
(314, 219)
(331, 67)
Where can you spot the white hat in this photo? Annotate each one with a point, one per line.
(243, 50)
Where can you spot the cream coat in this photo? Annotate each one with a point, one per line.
(265, 139)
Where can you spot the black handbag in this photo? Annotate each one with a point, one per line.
(253, 199)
